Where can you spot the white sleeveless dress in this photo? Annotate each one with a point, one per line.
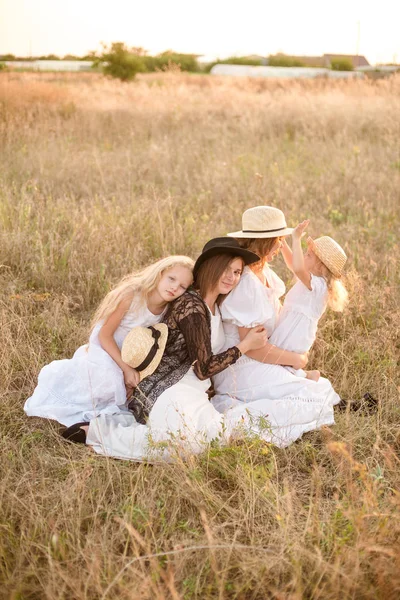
(297, 324)
(181, 420)
(90, 383)
(289, 404)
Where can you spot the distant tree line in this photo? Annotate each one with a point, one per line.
(118, 60)
(236, 60)
(12, 57)
(123, 62)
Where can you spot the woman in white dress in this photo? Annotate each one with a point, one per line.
(170, 407)
(258, 382)
(96, 380)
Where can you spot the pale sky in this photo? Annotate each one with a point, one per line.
(212, 27)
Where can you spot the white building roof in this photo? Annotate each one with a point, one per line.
(281, 72)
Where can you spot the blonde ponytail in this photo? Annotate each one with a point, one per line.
(338, 296)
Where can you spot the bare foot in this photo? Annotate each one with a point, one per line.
(85, 428)
(313, 375)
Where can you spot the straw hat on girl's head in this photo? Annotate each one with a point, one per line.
(262, 222)
(329, 253)
(143, 348)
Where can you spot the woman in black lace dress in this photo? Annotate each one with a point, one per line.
(172, 404)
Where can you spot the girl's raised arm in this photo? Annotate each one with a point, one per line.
(287, 255)
(299, 268)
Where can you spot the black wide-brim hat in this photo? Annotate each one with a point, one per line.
(224, 245)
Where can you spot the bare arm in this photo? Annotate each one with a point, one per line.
(299, 268)
(287, 255)
(108, 343)
(272, 355)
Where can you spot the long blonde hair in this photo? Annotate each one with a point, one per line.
(338, 296)
(140, 283)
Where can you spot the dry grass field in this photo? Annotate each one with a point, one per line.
(98, 178)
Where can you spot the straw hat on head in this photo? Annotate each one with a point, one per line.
(143, 348)
(262, 222)
(329, 253)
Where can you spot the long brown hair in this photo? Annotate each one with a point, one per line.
(210, 272)
(261, 246)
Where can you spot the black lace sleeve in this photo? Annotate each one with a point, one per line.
(196, 331)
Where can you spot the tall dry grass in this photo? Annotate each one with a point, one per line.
(98, 178)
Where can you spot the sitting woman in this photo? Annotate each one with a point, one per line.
(171, 404)
(258, 383)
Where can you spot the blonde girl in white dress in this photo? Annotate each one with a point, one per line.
(318, 285)
(257, 386)
(96, 380)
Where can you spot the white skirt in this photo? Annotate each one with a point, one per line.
(181, 422)
(78, 389)
(272, 401)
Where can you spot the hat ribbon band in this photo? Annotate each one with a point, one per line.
(153, 350)
(263, 230)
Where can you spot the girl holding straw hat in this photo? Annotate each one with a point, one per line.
(170, 403)
(97, 379)
(258, 382)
